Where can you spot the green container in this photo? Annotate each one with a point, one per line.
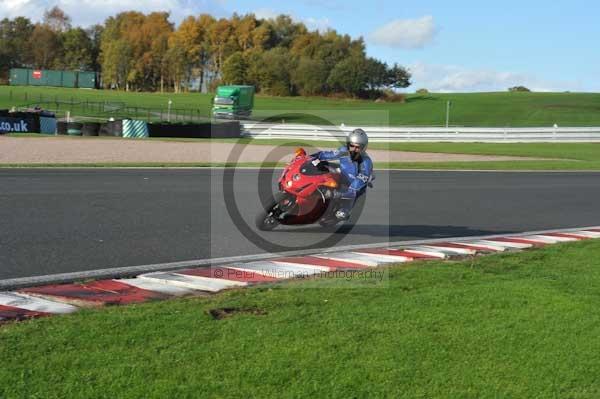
(69, 79)
(54, 78)
(87, 80)
(19, 77)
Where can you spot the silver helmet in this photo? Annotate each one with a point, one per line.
(358, 137)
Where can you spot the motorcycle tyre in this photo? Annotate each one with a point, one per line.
(261, 217)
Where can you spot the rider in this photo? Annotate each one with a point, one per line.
(355, 165)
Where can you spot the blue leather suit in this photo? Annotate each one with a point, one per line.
(356, 173)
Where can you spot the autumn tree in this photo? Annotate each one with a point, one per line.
(56, 20)
(276, 65)
(284, 31)
(95, 35)
(137, 51)
(310, 77)
(219, 34)
(77, 47)
(15, 45)
(46, 47)
(234, 69)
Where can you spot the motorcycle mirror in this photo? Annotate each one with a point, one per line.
(300, 152)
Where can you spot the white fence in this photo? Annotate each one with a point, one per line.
(425, 134)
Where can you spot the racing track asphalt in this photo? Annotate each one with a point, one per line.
(67, 220)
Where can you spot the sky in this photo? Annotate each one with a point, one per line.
(448, 46)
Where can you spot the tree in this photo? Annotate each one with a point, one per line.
(275, 66)
(116, 63)
(310, 77)
(15, 46)
(158, 29)
(377, 74)
(398, 77)
(95, 35)
(349, 76)
(56, 20)
(234, 69)
(219, 36)
(46, 47)
(253, 59)
(244, 30)
(176, 64)
(78, 49)
(518, 88)
(284, 31)
(261, 36)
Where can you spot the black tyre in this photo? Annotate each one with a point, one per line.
(267, 219)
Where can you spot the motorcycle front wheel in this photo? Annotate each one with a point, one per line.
(267, 219)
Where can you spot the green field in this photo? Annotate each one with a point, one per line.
(471, 109)
(510, 325)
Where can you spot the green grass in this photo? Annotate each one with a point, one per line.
(510, 325)
(468, 109)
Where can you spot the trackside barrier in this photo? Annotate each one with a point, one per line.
(424, 134)
(134, 128)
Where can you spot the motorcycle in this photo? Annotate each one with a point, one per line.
(306, 194)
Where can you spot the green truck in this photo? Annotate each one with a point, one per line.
(233, 102)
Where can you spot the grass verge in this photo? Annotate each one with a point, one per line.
(509, 325)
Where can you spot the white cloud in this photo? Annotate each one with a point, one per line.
(406, 33)
(453, 78)
(266, 13)
(88, 12)
(320, 24)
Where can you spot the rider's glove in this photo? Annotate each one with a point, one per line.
(315, 162)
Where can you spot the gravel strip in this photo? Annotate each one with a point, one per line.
(67, 150)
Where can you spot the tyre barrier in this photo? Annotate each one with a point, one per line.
(74, 128)
(111, 128)
(61, 128)
(90, 129)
